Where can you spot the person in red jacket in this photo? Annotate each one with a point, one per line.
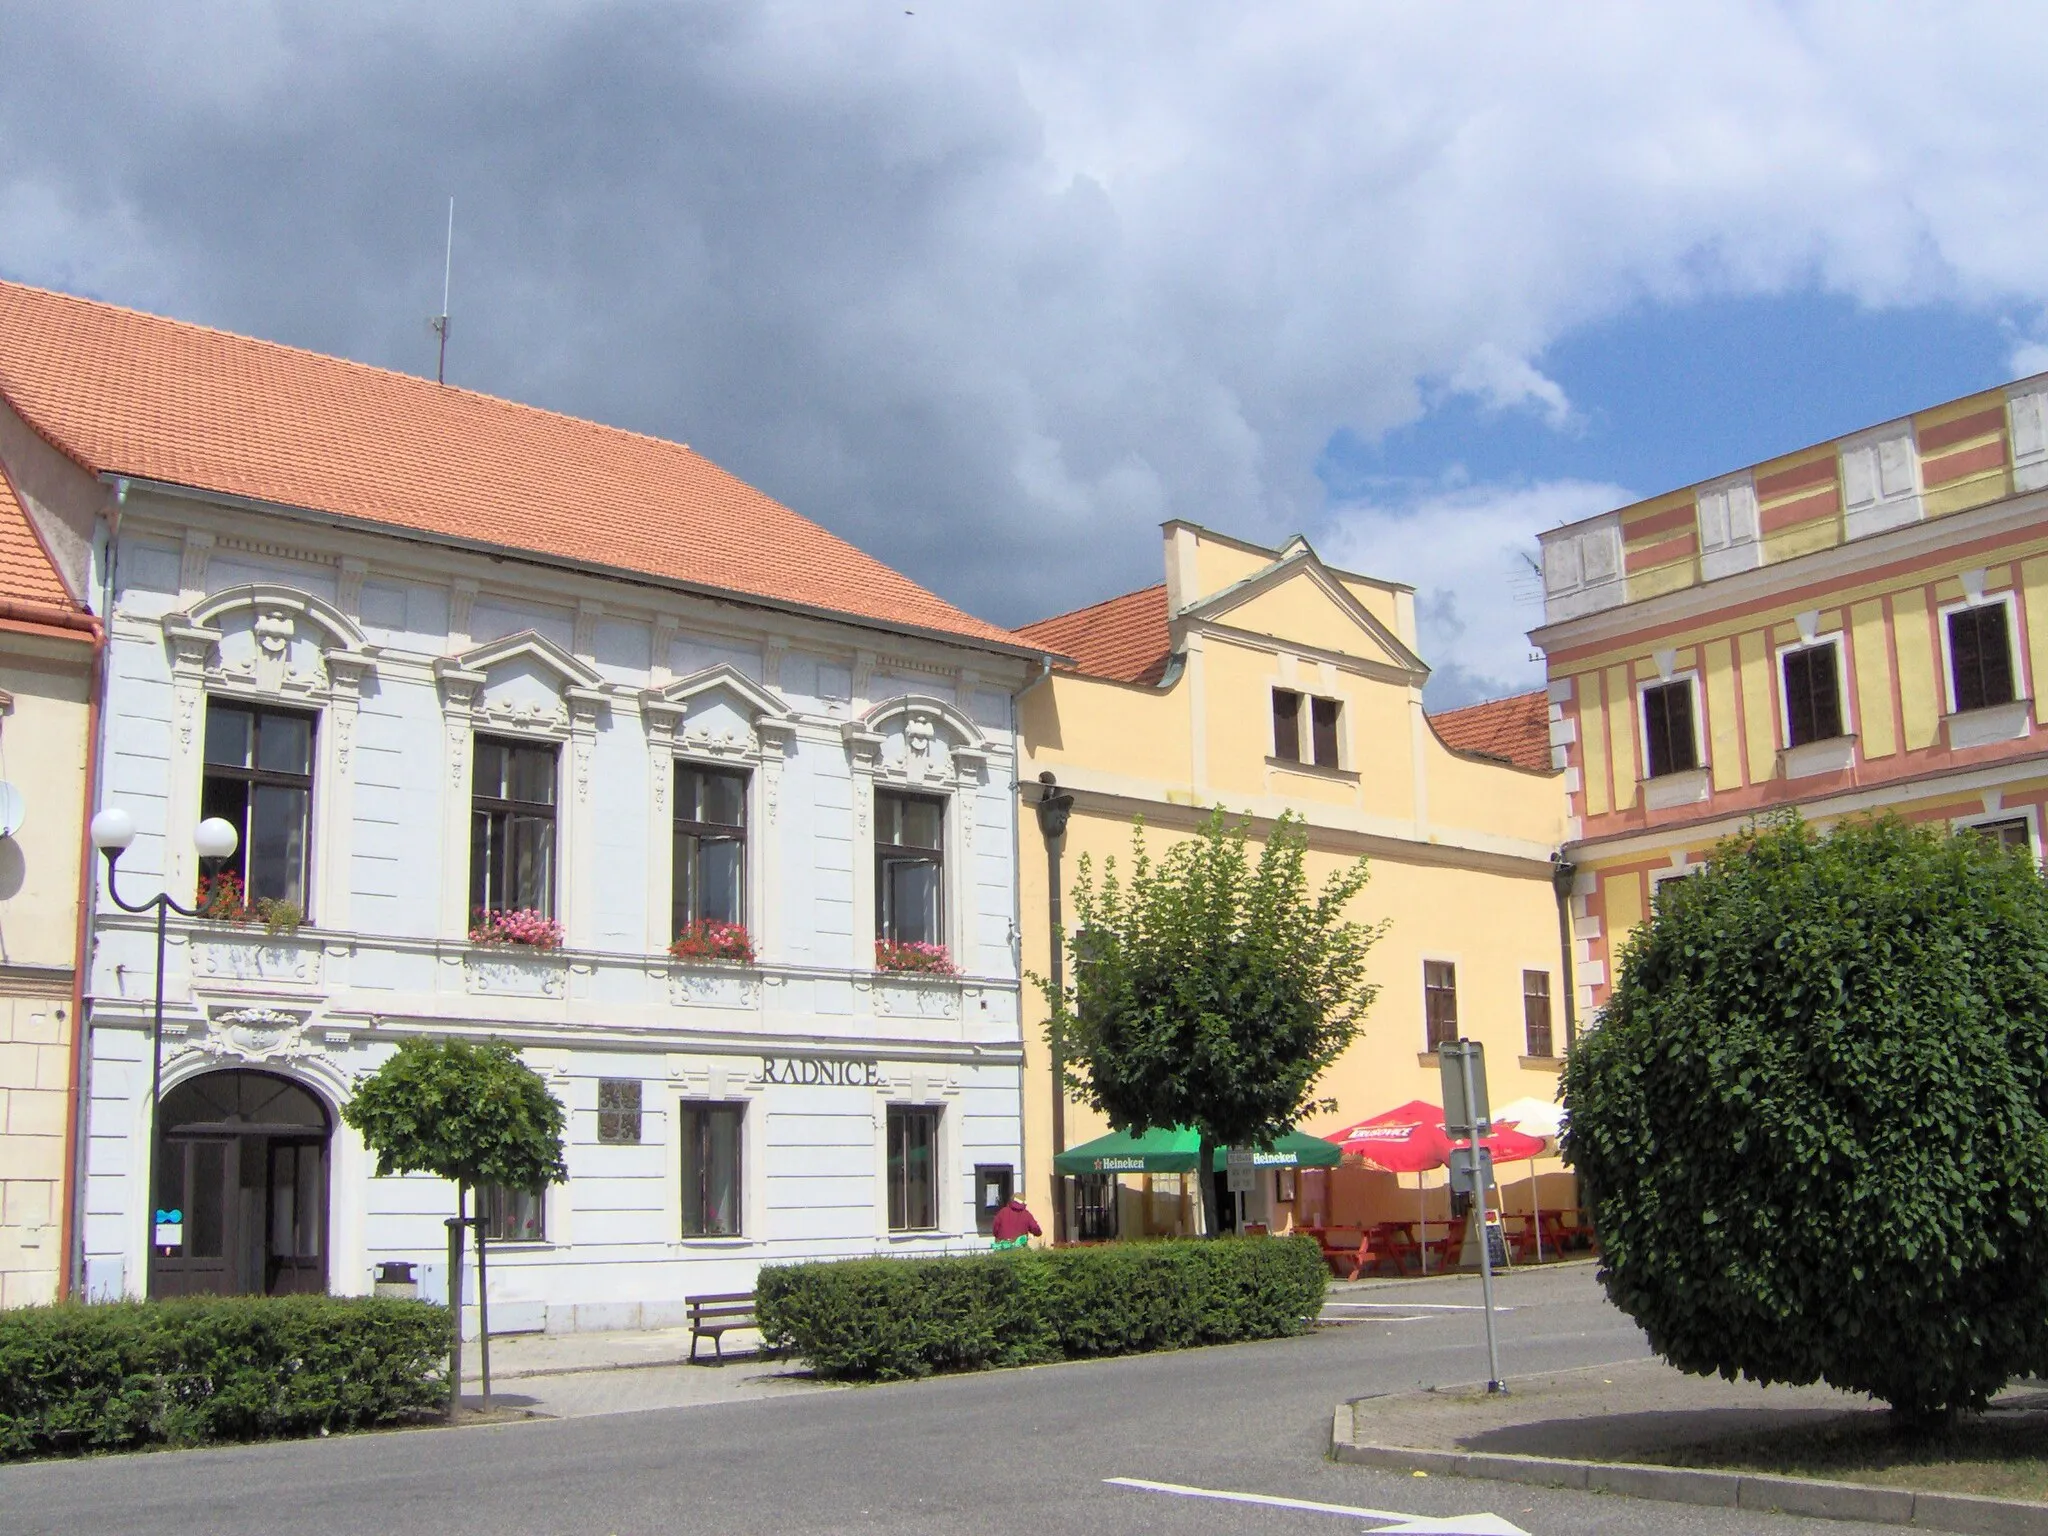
(1014, 1223)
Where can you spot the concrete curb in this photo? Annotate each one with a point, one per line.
(1959, 1512)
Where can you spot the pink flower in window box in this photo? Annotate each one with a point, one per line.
(709, 939)
(919, 959)
(522, 926)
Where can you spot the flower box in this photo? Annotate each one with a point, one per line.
(222, 899)
(914, 959)
(708, 941)
(524, 928)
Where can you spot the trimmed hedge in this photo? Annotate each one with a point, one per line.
(886, 1319)
(123, 1375)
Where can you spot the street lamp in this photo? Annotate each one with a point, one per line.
(214, 840)
(1054, 806)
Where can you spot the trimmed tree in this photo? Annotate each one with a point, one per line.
(474, 1114)
(1813, 1120)
(1211, 990)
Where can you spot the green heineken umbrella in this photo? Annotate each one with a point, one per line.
(1177, 1149)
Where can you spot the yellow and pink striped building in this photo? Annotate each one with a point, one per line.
(1853, 626)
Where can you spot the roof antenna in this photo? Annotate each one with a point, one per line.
(440, 321)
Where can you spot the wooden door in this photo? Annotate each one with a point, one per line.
(196, 1184)
(295, 1250)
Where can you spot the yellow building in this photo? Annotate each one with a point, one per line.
(1859, 625)
(48, 645)
(1266, 681)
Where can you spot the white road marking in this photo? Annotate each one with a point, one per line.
(1411, 1525)
(1408, 1306)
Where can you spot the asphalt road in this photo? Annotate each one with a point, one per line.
(1014, 1453)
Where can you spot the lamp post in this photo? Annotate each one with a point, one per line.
(1054, 806)
(112, 831)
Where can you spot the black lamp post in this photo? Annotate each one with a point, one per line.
(112, 831)
(1054, 806)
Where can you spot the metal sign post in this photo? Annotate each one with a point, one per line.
(1240, 1174)
(1467, 1117)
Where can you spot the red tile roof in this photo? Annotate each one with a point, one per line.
(26, 574)
(1124, 639)
(1513, 730)
(126, 393)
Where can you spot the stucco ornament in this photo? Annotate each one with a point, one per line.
(256, 1034)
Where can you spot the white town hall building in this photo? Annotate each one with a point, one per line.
(459, 670)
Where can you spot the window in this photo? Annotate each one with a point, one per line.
(910, 868)
(993, 1185)
(1439, 1002)
(1671, 743)
(618, 1111)
(1323, 715)
(512, 1215)
(711, 1169)
(1660, 885)
(512, 828)
(1287, 725)
(1323, 727)
(1165, 1202)
(1813, 694)
(1095, 1207)
(711, 846)
(1980, 657)
(2010, 833)
(913, 1168)
(259, 779)
(1536, 1013)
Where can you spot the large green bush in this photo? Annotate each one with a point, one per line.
(1813, 1121)
(136, 1373)
(884, 1319)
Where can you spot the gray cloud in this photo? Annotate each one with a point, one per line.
(993, 289)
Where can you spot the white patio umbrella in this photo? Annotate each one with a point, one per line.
(1534, 1117)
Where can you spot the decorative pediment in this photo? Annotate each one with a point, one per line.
(918, 739)
(719, 711)
(268, 638)
(1374, 643)
(524, 681)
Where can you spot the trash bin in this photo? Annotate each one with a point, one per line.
(395, 1278)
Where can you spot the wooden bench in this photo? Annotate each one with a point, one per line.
(712, 1316)
(1347, 1260)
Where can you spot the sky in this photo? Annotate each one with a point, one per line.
(993, 289)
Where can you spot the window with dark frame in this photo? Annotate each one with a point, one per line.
(1536, 1013)
(1980, 657)
(910, 868)
(1287, 725)
(512, 1215)
(1668, 729)
(1095, 1207)
(712, 1142)
(259, 778)
(618, 1111)
(1439, 1002)
(1813, 694)
(710, 879)
(913, 1164)
(2013, 832)
(512, 827)
(1323, 729)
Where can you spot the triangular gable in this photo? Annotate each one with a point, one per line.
(531, 644)
(1334, 620)
(726, 678)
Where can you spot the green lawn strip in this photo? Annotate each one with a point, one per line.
(2000, 1454)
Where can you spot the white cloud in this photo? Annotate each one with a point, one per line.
(994, 287)
(1469, 551)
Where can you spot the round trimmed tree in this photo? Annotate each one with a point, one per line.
(1813, 1120)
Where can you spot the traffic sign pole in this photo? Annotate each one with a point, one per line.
(1493, 1381)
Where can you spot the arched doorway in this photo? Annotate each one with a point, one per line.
(242, 1166)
